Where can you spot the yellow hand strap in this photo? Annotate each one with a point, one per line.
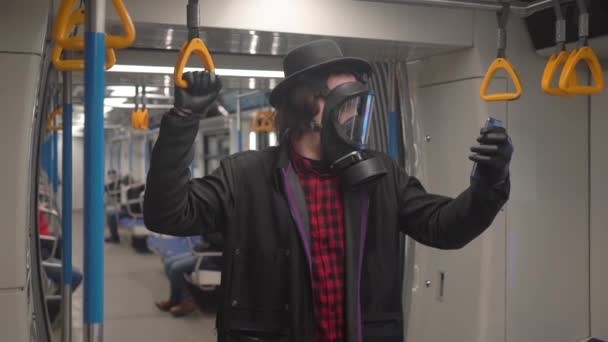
(555, 61)
(198, 47)
(62, 28)
(140, 119)
(51, 126)
(263, 122)
(75, 18)
(500, 63)
(587, 54)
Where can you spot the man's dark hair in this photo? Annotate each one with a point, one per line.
(295, 112)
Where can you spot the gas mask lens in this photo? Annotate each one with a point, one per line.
(346, 123)
(352, 118)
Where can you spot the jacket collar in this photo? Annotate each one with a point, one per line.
(283, 159)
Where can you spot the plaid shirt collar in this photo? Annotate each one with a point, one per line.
(308, 167)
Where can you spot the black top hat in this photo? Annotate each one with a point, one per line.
(312, 56)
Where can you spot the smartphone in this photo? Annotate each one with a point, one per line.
(490, 122)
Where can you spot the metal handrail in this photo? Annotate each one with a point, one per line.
(199, 260)
(519, 9)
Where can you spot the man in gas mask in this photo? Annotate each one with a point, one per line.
(311, 227)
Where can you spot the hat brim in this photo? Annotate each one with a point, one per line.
(353, 63)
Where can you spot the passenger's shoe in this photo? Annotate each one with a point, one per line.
(163, 305)
(112, 240)
(183, 309)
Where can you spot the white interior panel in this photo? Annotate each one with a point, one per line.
(472, 307)
(599, 217)
(415, 24)
(14, 323)
(15, 139)
(22, 29)
(77, 171)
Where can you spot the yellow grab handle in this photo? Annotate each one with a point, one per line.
(588, 55)
(50, 126)
(124, 41)
(551, 68)
(500, 63)
(198, 47)
(75, 19)
(135, 119)
(63, 28)
(263, 122)
(140, 119)
(77, 64)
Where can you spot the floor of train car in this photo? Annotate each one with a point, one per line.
(132, 283)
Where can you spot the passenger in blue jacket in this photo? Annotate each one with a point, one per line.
(311, 227)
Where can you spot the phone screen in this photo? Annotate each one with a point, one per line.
(490, 122)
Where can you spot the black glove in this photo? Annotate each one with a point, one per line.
(493, 155)
(200, 95)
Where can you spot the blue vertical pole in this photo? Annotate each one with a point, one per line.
(51, 161)
(55, 164)
(47, 154)
(67, 208)
(94, 79)
(393, 135)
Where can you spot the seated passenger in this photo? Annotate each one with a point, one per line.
(180, 303)
(116, 210)
(54, 273)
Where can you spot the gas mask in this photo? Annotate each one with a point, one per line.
(344, 132)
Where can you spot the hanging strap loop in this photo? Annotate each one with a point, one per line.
(559, 58)
(583, 52)
(193, 45)
(502, 17)
(51, 125)
(263, 122)
(140, 118)
(112, 41)
(67, 22)
(501, 62)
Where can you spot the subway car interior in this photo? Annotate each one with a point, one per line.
(128, 120)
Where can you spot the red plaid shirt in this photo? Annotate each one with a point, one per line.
(326, 212)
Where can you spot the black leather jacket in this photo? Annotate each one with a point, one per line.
(255, 201)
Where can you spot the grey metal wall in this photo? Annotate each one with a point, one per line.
(531, 280)
(598, 234)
